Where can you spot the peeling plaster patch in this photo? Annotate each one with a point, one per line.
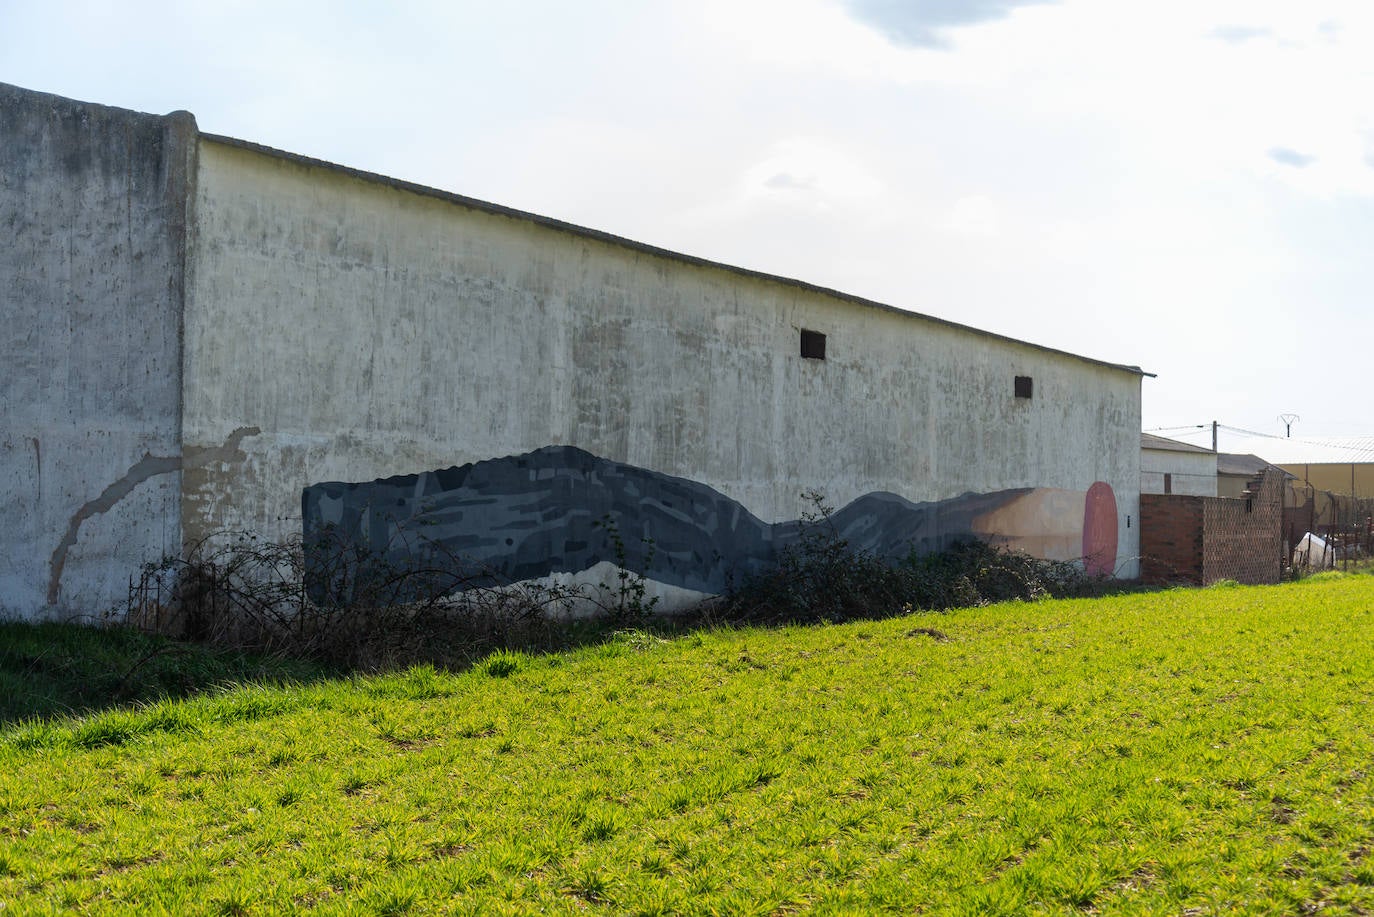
(142, 470)
(200, 456)
(147, 467)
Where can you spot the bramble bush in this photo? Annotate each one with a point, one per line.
(825, 578)
(343, 605)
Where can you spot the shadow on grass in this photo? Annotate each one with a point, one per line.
(51, 669)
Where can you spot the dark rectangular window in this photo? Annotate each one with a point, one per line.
(812, 345)
(1168, 483)
(1023, 386)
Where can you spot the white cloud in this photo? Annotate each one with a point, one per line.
(976, 215)
(928, 24)
(819, 173)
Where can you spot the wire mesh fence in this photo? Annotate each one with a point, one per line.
(1325, 529)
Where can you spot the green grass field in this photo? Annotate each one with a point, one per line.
(1183, 752)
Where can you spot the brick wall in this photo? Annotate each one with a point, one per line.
(1243, 538)
(1171, 528)
(1201, 540)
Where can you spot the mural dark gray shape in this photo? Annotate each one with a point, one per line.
(553, 511)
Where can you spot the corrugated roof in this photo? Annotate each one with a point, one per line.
(1164, 444)
(1325, 450)
(1249, 466)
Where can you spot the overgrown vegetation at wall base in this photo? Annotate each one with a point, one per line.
(342, 606)
(825, 578)
(1180, 752)
(338, 603)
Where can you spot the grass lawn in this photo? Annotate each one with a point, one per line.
(1183, 752)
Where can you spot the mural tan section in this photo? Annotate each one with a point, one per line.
(1046, 522)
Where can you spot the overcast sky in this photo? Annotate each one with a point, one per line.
(1185, 186)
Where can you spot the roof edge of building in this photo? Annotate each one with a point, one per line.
(1164, 444)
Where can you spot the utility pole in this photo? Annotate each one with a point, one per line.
(1214, 436)
(1287, 421)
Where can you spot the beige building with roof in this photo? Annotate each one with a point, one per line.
(1236, 472)
(1338, 464)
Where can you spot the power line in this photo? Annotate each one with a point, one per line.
(1249, 432)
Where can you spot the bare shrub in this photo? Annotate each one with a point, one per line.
(333, 601)
(336, 601)
(825, 578)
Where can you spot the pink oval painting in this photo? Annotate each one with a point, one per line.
(1099, 530)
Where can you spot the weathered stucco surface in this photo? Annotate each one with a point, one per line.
(371, 331)
(92, 209)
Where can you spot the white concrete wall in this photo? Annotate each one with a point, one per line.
(1191, 473)
(92, 205)
(347, 329)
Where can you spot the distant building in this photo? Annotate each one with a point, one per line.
(1329, 488)
(1338, 464)
(1236, 472)
(1168, 466)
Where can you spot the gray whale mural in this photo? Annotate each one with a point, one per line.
(554, 510)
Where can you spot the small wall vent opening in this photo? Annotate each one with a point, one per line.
(812, 345)
(1023, 386)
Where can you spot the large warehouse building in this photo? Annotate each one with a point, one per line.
(201, 335)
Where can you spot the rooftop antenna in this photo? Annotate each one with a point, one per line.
(1287, 421)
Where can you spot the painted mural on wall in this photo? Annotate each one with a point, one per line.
(554, 510)
(1058, 525)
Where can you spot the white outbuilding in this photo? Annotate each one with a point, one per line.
(1168, 466)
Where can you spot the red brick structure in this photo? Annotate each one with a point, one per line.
(1171, 538)
(1204, 539)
